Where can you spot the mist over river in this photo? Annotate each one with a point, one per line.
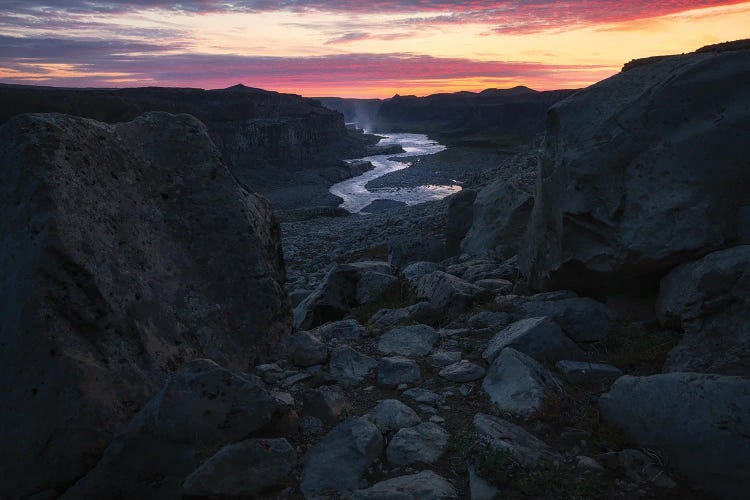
(354, 191)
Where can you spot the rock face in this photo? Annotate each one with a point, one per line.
(710, 300)
(500, 214)
(126, 250)
(699, 422)
(643, 171)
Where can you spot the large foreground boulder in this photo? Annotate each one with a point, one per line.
(700, 423)
(200, 409)
(710, 301)
(125, 251)
(641, 172)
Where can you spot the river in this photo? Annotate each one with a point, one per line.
(355, 194)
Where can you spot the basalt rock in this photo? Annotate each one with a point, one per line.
(641, 172)
(125, 250)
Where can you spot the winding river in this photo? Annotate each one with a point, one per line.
(355, 194)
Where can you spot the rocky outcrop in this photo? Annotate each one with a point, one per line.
(641, 172)
(710, 301)
(126, 251)
(698, 422)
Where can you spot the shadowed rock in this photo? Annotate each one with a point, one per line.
(126, 250)
(643, 171)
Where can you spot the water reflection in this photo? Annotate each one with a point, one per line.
(355, 194)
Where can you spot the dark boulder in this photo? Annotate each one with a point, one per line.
(125, 250)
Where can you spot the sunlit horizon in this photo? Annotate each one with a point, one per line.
(349, 49)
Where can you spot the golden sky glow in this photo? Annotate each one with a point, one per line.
(398, 47)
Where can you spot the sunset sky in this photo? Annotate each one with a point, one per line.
(349, 48)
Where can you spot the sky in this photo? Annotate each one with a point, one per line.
(348, 48)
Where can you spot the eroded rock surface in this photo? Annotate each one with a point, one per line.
(127, 250)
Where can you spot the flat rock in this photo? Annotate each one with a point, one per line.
(392, 415)
(337, 331)
(412, 340)
(425, 485)
(423, 443)
(698, 422)
(539, 338)
(422, 395)
(447, 293)
(243, 469)
(495, 285)
(396, 370)
(349, 367)
(499, 434)
(489, 319)
(442, 359)
(336, 463)
(517, 384)
(463, 371)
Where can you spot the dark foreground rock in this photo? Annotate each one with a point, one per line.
(710, 301)
(200, 409)
(641, 172)
(699, 422)
(243, 469)
(126, 250)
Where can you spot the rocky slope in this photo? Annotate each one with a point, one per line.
(126, 251)
(271, 140)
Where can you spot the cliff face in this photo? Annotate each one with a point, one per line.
(643, 171)
(126, 250)
(492, 117)
(264, 135)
